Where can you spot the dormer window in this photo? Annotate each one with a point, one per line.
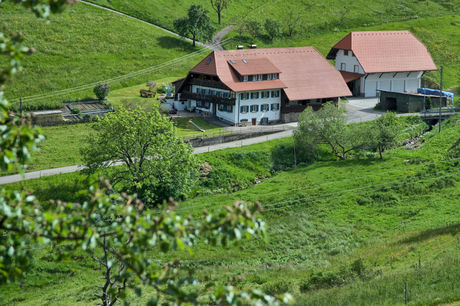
(245, 78)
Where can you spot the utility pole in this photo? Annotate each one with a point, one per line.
(440, 101)
(20, 106)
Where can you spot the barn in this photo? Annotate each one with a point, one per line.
(381, 60)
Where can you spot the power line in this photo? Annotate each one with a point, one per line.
(133, 74)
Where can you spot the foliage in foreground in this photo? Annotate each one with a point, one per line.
(117, 224)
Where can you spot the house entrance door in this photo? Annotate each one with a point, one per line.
(254, 121)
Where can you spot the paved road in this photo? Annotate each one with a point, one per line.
(217, 39)
(361, 109)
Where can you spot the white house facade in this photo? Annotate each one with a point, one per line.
(386, 60)
(259, 86)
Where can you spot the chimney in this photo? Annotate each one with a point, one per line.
(252, 46)
(239, 47)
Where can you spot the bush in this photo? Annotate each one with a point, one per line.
(273, 28)
(102, 91)
(428, 103)
(322, 280)
(162, 89)
(87, 117)
(278, 287)
(76, 111)
(300, 151)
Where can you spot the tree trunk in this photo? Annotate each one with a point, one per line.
(218, 17)
(193, 39)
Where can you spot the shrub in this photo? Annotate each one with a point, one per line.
(87, 117)
(300, 151)
(277, 287)
(102, 91)
(322, 280)
(273, 28)
(162, 89)
(428, 103)
(76, 111)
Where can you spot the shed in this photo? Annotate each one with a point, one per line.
(406, 102)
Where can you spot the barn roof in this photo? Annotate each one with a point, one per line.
(303, 72)
(386, 51)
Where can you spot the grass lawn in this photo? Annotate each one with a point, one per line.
(130, 97)
(339, 232)
(86, 45)
(63, 143)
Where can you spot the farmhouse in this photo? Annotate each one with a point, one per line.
(260, 86)
(382, 60)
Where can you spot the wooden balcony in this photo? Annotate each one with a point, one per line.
(207, 83)
(186, 95)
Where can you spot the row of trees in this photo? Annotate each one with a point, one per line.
(118, 231)
(329, 126)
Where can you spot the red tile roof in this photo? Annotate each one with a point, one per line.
(304, 72)
(350, 76)
(386, 51)
(253, 66)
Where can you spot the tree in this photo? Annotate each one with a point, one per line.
(383, 132)
(101, 91)
(219, 6)
(328, 126)
(273, 28)
(291, 22)
(124, 229)
(156, 164)
(253, 28)
(197, 24)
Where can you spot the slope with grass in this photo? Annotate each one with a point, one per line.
(86, 45)
(352, 231)
(328, 14)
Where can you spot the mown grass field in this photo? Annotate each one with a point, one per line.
(319, 15)
(339, 232)
(85, 45)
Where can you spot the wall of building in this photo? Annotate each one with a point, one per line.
(271, 115)
(397, 82)
(349, 60)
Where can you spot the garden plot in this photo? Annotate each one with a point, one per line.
(84, 110)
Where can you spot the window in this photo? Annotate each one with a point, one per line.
(265, 107)
(254, 108)
(250, 77)
(343, 66)
(275, 76)
(197, 90)
(203, 91)
(270, 76)
(225, 94)
(275, 106)
(245, 78)
(221, 107)
(345, 52)
(255, 95)
(275, 93)
(211, 92)
(218, 93)
(229, 109)
(244, 109)
(259, 77)
(264, 77)
(356, 68)
(206, 105)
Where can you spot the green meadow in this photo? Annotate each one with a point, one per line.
(86, 45)
(339, 232)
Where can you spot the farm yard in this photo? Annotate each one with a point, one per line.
(379, 226)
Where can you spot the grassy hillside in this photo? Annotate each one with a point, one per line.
(86, 45)
(353, 231)
(317, 14)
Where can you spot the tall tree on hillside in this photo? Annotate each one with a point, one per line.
(383, 133)
(291, 22)
(219, 6)
(197, 24)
